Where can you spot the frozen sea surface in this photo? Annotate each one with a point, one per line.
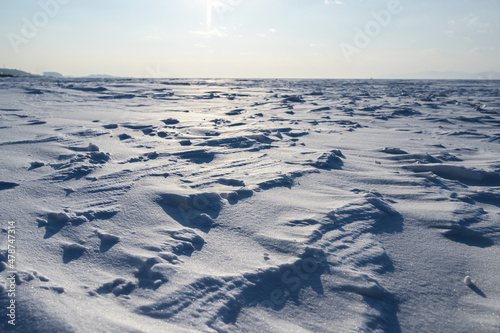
(251, 205)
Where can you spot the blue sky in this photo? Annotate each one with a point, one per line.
(250, 38)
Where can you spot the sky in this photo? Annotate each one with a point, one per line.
(250, 38)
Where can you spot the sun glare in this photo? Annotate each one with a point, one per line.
(209, 14)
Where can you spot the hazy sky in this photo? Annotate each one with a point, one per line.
(250, 38)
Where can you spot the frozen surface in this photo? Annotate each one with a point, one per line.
(251, 205)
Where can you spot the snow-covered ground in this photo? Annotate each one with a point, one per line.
(251, 205)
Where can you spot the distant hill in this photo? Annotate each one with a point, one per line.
(53, 74)
(429, 75)
(14, 72)
(5, 72)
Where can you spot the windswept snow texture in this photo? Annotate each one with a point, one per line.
(251, 205)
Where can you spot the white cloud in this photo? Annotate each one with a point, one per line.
(470, 21)
(213, 32)
(272, 30)
(476, 24)
(481, 50)
(337, 2)
(262, 35)
(200, 45)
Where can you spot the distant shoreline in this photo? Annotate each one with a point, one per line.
(246, 79)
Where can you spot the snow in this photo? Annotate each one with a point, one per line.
(147, 205)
